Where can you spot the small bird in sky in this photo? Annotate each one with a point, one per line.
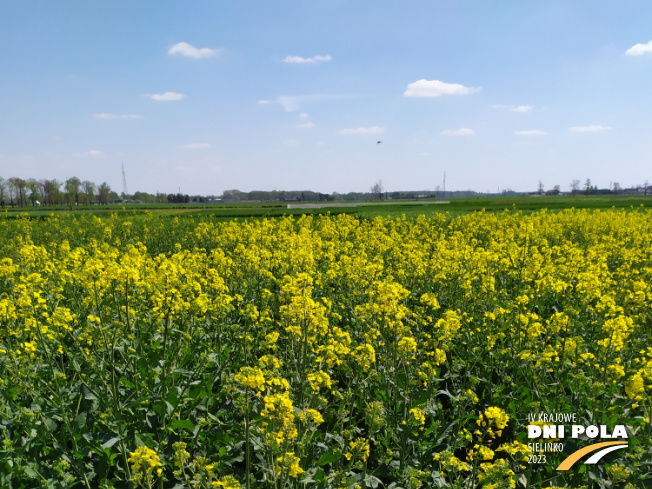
(379, 142)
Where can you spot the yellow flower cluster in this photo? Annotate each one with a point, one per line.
(497, 475)
(359, 449)
(493, 417)
(145, 463)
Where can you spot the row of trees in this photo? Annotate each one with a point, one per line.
(19, 192)
(589, 189)
(73, 191)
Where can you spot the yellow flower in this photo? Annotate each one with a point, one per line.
(289, 462)
(419, 416)
(359, 449)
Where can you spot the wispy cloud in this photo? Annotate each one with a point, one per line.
(531, 132)
(289, 102)
(185, 49)
(307, 125)
(301, 60)
(93, 153)
(166, 97)
(514, 108)
(291, 142)
(292, 103)
(364, 130)
(458, 132)
(595, 128)
(639, 49)
(106, 116)
(436, 88)
(196, 146)
(264, 102)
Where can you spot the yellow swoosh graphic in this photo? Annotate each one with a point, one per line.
(575, 456)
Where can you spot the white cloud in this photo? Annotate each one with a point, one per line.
(116, 116)
(301, 60)
(515, 108)
(639, 49)
(435, 88)
(596, 128)
(531, 132)
(307, 125)
(185, 49)
(291, 142)
(364, 130)
(264, 102)
(303, 115)
(166, 97)
(458, 132)
(196, 146)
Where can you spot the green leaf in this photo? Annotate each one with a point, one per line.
(50, 423)
(173, 398)
(424, 398)
(522, 480)
(88, 394)
(329, 457)
(372, 481)
(80, 421)
(184, 423)
(111, 442)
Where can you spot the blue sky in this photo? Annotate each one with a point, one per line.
(207, 96)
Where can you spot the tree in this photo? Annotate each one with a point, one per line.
(587, 186)
(3, 188)
(103, 192)
(51, 191)
(34, 191)
(556, 190)
(541, 187)
(646, 186)
(575, 186)
(377, 190)
(89, 191)
(17, 187)
(72, 190)
(617, 188)
(233, 195)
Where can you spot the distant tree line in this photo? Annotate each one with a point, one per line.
(72, 191)
(19, 192)
(376, 193)
(614, 188)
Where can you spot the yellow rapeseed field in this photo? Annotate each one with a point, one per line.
(143, 350)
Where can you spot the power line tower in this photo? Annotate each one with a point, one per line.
(124, 183)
